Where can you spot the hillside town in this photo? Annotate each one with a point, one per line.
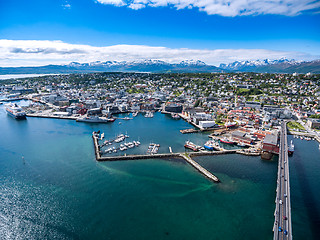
(242, 108)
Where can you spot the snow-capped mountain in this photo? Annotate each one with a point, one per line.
(249, 65)
(148, 62)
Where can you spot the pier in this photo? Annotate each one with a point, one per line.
(197, 166)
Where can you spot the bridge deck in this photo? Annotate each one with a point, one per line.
(282, 225)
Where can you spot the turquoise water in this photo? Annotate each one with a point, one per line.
(59, 191)
(305, 188)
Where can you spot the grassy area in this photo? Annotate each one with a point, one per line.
(295, 125)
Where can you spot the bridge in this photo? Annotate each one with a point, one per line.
(282, 227)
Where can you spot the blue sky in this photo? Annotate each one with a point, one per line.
(208, 29)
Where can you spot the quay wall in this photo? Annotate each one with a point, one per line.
(136, 157)
(49, 116)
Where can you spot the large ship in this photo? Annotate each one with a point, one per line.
(291, 148)
(15, 111)
(95, 119)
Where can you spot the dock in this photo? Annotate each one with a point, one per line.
(50, 116)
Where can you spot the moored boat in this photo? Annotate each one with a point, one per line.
(192, 146)
(149, 115)
(291, 148)
(209, 145)
(95, 119)
(241, 144)
(15, 111)
(226, 140)
(175, 116)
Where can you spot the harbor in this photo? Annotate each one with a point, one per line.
(151, 155)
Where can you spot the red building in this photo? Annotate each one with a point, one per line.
(271, 144)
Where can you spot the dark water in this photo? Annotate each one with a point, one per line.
(59, 191)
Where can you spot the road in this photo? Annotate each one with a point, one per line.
(282, 225)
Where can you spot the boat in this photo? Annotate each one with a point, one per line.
(241, 144)
(95, 119)
(230, 124)
(15, 111)
(149, 115)
(226, 140)
(192, 146)
(291, 148)
(209, 145)
(175, 116)
(134, 114)
(153, 148)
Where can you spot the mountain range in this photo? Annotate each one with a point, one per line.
(282, 65)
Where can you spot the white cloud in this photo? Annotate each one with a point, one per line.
(38, 53)
(66, 5)
(117, 3)
(136, 6)
(229, 8)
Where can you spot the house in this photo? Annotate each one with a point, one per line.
(313, 123)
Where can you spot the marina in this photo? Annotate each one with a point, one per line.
(153, 153)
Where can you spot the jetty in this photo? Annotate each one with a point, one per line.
(197, 166)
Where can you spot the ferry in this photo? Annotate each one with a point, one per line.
(291, 148)
(15, 111)
(95, 119)
(192, 146)
(226, 140)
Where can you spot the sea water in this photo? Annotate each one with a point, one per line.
(51, 187)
